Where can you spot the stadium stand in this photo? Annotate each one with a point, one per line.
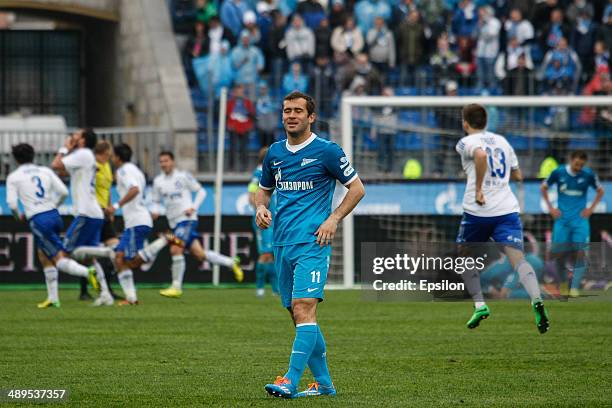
(416, 48)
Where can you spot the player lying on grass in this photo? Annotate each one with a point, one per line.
(174, 188)
(491, 211)
(264, 269)
(571, 230)
(303, 170)
(40, 192)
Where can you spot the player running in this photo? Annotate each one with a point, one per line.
(571, 230)
(40, 192)
(131, 185)
(491, 211)
(264, 269)
(76, 159)
(303, 170)
(174, 188)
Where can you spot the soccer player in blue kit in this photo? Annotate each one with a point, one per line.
(303, 170)
(571, 231)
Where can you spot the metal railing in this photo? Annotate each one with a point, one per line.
(146, 143)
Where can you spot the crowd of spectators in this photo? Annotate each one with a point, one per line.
(516, 47)
(334, 47)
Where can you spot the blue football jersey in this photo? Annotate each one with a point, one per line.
(304, 178)
(572, 189)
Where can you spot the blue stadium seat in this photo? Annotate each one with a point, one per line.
(408, 141)
(584, 141)
(198, 99)
(202, 141)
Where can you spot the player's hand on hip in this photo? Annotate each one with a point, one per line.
(110, 210)
(154, 216)
(480, 199)
(555, 213)
(586, 213)
(326, 231)
(263, 217)
(189, 212)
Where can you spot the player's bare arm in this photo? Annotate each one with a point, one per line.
(263, 217)
(129, 196)
(554, 212)
(516, 175)
(326, 232)
(587, 212)
(480, 162)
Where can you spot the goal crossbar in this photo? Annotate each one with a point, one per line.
(346, 130)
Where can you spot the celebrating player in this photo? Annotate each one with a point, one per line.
(491, 211)
(76, 159)
(131, 185)
(571, 231)
(41, 192)
(175, 188)
(303, 169)
(264, 269)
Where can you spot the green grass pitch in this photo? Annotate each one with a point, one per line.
(219, 348)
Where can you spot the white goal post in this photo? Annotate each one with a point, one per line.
(348, 103)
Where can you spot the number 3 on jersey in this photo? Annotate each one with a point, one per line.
(496, 157)
(40, 193)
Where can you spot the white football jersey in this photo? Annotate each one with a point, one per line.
(501, 159)
(38, 188)
(134, 212)
(81, 165)
(175, 190)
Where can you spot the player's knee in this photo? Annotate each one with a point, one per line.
(120, 261)
(266, 257)
(304, 310)
(176, 250)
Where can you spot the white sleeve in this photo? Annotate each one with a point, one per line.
(156, 197)
(11, 193)
(76, 160)
(57, 185)
(466, 148)
(193, 184)
(514, 164)
(199, 198)
(128, 180)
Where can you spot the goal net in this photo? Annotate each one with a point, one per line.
(404, 150)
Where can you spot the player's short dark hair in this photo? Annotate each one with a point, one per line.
(475, 115)
(579, 154)
(123, 152)
(90, 138)
(310, 103)
(166, 153)
(262, 154)
(23, 153)
(102, 147)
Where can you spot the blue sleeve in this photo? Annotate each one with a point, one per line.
(267, 179)
(338, 165)
(553, 178)
(594, 181)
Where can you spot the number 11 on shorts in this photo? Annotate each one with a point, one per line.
(316, 276)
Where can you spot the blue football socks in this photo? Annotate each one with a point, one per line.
(318, 361)
(306, 335)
